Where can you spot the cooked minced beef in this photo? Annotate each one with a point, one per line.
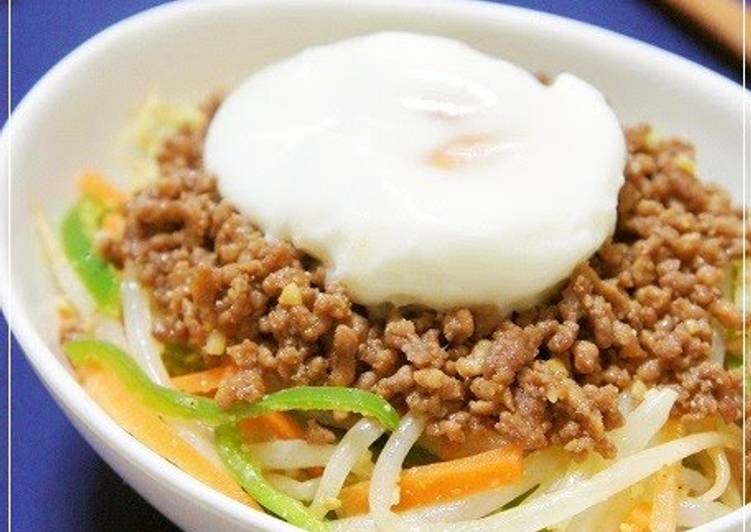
(641, 311)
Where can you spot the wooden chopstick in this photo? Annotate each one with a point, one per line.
(721, 19)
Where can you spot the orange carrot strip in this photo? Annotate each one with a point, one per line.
(429, 484)
(283, 425)
(95, 185)
(204, 382)
(148, 428)
(274, 424)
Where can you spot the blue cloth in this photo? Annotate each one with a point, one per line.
(58, 482)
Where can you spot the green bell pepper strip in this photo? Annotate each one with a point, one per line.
(229, 446)
(174, 403)
(326, 398)
(79, 229)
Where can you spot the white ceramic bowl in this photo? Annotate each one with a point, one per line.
(70, 119)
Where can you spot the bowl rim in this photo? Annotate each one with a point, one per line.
(63, 386)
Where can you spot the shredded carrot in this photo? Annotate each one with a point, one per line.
(276, 424)
(148, 428)
(204, 382)
(282, 425)
(95, 185)
(429, 484)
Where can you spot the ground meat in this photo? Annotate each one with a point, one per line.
(512, 350)
(245, 385)
(458, 325)
(316, 433)
(586, 357)
(642, 310)
(707, 390)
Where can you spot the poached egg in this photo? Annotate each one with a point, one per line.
(419, 170)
